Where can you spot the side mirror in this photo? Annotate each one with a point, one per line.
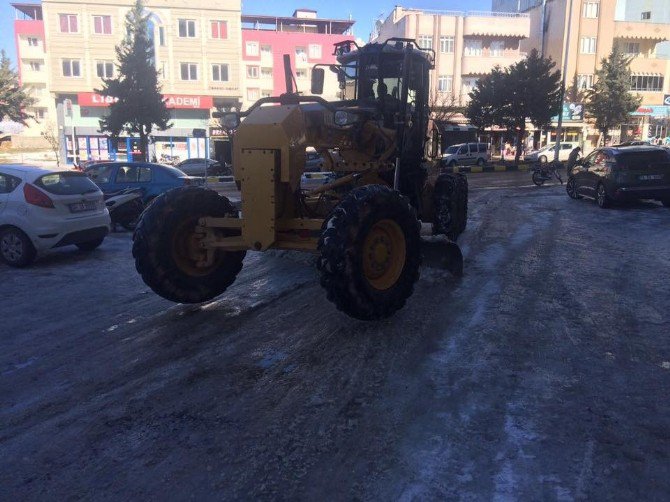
(318, 75)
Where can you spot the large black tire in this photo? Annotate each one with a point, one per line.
(602, 199)
(450, 199)
(366, 270)
(160, 246)
(128, 215)
(16, 249)
(90, 245)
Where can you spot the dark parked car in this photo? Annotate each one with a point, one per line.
(196, 167)
(625, 173)
(153, 179)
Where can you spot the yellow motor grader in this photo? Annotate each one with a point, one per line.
(365, 224)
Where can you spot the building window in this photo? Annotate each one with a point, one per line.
(266, 93)
(425, 41)
(584, 81)
(33, 42)
(252, 94)
(102, 25)
(68, 23)
(447, 45)
(301, 73)
(588, 45)
(300, 54)
(497, 48)
(252, 48)
(445, 83)
(590, 9)
(189, 71)
(266, 72)
(161, 36)
(220, 72)
(104, 69)
(646, 16)
(314, 51)
(163, 70)
(266, 50)
(631, 48)
(187, 28)
(40, 113)
(646, 83)
(35, 66)
(219, 29)
(473, 47)
(252, 71)
(71, 68)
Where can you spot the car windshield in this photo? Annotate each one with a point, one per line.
(452, 149)
(66, 183)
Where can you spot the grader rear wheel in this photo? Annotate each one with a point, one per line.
(167, 249)
(370, 253)
(450, 199)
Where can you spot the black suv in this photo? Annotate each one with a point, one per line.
(622, 173)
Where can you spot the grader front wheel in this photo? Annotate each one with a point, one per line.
(167, 250)
(370, 253)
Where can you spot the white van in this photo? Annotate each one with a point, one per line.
(466, 154)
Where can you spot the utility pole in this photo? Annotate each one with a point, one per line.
(559, 127)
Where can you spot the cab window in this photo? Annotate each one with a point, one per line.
(133, 174)
(463, 150)
(100, 174)
(473, 147)
(8, 183)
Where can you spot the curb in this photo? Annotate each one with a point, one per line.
(496, 168)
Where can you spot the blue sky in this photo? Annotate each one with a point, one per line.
(363, 11)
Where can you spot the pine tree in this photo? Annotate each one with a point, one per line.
(139, 104)
(14, 98)
(609, 101)
(487, 100)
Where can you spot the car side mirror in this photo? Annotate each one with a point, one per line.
(318, 75)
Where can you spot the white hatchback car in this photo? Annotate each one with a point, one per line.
(42, 209)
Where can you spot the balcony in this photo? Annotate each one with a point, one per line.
(650, 65)
(29, 76)
(638, 30)
(481, 65)
(496, 24)
(30, 51)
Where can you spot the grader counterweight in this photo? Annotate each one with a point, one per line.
(365, 225)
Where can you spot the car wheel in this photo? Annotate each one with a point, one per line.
(602, 198)
(571, 188)
(16, 248)
(90, 245)
(542, 159)
(538, 178)
(480, 162)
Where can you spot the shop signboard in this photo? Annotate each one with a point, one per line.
(175, 101)
(572, 112)
(652, 111)
(666, 99)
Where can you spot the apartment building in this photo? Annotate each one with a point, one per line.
(33, 72)
(641, 28)
(594, 28)
(466, 45)
(305, 37)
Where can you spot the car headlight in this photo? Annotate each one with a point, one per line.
(344, 118)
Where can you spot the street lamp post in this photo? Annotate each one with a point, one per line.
(559, 126)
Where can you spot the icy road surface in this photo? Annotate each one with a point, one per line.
(543, 374)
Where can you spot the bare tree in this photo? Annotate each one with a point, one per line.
(50, 134)
(444, 106)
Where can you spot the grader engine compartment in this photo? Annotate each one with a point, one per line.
(365, 224)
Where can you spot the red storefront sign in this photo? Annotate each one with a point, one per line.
(178, 101)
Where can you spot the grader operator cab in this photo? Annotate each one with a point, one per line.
(365, 225)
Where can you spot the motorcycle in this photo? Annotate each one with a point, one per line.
(125, 207)
(545, 171)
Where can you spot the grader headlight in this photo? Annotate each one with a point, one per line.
(345, 118)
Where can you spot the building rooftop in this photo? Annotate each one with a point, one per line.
(297, 24)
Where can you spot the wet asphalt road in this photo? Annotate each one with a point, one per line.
(542, 374)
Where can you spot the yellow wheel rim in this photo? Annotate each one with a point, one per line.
(384, 253)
